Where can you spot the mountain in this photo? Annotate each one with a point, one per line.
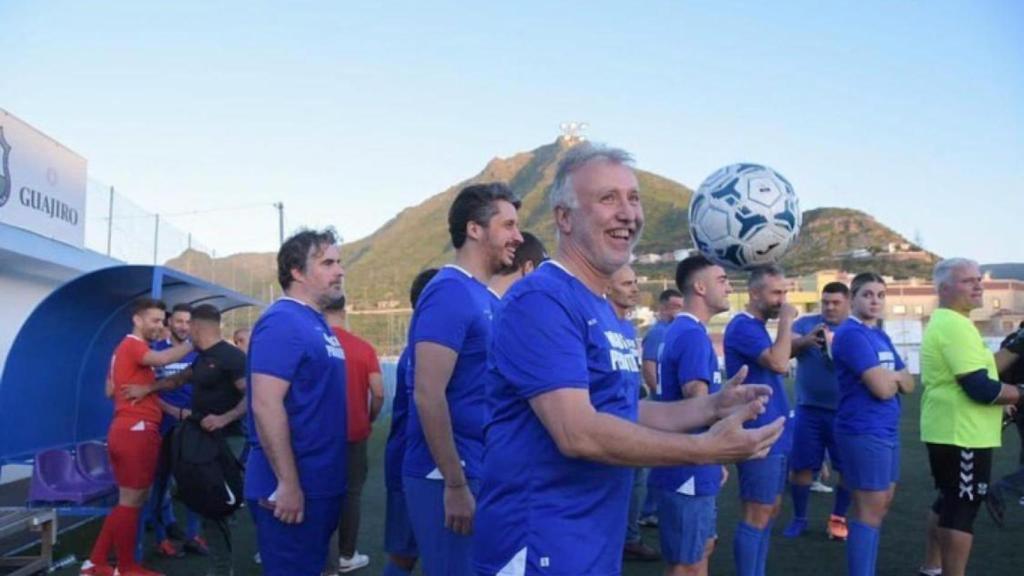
(380, 267)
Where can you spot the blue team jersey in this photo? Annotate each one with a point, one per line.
(653, 340)
(746, 338)
(688, 355)
(816, 383)
(293, 342)
(540, 511)
(180, 397)
(454, 310)
(857, 348)
(394, 452)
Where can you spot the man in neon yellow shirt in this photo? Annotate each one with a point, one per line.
(961, 413)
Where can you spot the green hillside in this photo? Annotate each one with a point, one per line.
(380, 267)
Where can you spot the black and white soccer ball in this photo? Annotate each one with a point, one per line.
(744, 215)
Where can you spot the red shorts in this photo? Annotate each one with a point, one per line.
(134, 451)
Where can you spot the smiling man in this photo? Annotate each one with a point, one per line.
(565, 425)
(448, 335)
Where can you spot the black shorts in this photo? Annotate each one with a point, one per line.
(961, 473)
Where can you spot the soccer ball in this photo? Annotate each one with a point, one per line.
(744, 215)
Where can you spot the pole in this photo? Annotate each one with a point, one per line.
(156, 238)
(280, 221)
(110, 219)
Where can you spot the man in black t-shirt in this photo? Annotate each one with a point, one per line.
(1012, 483)
(218, 399)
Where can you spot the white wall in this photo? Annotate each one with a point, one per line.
(22, 292)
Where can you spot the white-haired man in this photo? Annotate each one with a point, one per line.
(961, 413)
(560, 443)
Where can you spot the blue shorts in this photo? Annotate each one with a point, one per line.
(398, 537)
(872, 462)
(813, 434)
(296, 549)
(685, 524)
(442, 552)
(762, 480)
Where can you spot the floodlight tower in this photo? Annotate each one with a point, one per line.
(572, 132)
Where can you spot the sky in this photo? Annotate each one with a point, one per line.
(348, 112)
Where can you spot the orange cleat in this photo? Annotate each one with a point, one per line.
(837, 529)
(169, 549)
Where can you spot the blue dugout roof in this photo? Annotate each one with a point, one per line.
(51, 390)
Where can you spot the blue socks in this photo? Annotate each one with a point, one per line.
(861, 549)
(390, 569)
(746, 549)
(842, 503)
(762, 549)
(800, 496)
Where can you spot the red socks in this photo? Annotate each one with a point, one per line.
(120, 529)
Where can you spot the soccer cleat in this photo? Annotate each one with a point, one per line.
(929, 571)
(90, 569)
(796, 528)
(817, 486)
(837, 529)
(356, 562)
(649, 521)
(169, 549)
(197, 545)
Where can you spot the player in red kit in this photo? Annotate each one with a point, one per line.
(134, 437)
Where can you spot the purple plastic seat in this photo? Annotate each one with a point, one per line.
(93, 463)
(55, 478)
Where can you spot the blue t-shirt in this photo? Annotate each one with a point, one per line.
(540, 511)
(816, 383)
(180, 397)
(455, 311)
(394, 452)
(857, 348)
(746, 338)
(652, 341)
(293, 342)
(688, 355)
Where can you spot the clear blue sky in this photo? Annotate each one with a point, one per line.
(350, 111)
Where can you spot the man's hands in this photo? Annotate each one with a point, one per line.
(459, 509)
(289, 504)
(136, 392)
(728, 441)
(213, 422)
(788, 312)
(733, 396)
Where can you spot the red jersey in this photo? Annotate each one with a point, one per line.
(127, 368)
(360, 362)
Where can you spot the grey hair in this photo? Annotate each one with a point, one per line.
(757, 275)
(562, 193)
(943, 272)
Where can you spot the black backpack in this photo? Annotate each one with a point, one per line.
(208, 475)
